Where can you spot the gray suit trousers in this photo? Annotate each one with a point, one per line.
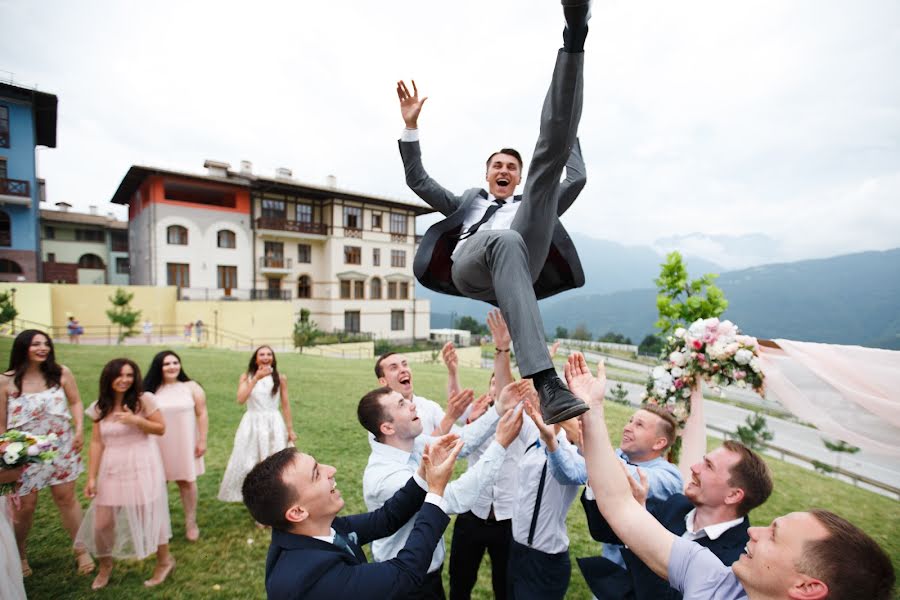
(502, 265)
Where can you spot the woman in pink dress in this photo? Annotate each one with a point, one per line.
(129, 515)
(40, 396)
(183, 405)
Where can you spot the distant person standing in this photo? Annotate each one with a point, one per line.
(198, 330)
(75, 330)
(188, 331)
(148, 329)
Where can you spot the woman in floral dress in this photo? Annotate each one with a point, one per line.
(40, 396)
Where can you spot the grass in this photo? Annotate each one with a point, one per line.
(228, 561)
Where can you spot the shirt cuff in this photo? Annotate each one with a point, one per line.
(422, 483)
(409, 135)
(438, 501)
(589, 493)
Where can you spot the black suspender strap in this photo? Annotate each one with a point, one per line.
(537, 504)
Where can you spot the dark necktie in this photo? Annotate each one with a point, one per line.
(487, 215)
(343, 543)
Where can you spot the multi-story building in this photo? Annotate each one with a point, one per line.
(83, 248)
(27, 120)
(346, 257)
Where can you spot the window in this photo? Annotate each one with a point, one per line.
(376, 221)
(304, 287)
(4, 127)
(122, 265)
(273, 209)
(94, 235)
(51, 257)
(352, 217)
(49, 233)
(304, 253)
(404, 290)
(9, 266)
(226, 239)
(5, 229)
(304, 213)
(398, 258)
(376, 257)
(375, 289)
(226, 278)
(178, 274)
(2, 168)
(273, 253)
(352, 255)
(398, 223)
(392, 290)
(345, 290)
(176, 234)
(90, 261)
(119, 241)
(351, 321)
(397, 323)
(359, 290)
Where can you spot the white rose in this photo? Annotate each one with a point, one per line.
(679, 333)
(14, 449)
(754, 364)
(677, 372)
(659, 372)
(33, 450)
(686, 392)
(741, 383)
(697, 329)
(743, 357)
(677, 359)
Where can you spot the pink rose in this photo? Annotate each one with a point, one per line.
(697, 344)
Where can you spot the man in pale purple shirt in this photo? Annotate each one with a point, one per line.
(801, 556)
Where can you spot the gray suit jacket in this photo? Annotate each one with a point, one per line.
(562, 269)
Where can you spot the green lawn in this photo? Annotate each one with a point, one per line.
(228, 561)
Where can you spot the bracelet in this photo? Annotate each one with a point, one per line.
(498, 350)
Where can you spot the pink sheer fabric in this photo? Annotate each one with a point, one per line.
(850, 393)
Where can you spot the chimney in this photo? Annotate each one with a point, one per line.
(216, 168)
(246, 167)
(63, 206)
(92, 210)
(331, 181)
(283, 173)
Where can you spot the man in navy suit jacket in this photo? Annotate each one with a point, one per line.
(316, 554)
(724, 486)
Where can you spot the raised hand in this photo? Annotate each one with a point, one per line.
(262, 371)
(509, 426)
(513, 393)
(499, 330)
(458, 403)
(440, 449)
(580, 381)
(438, 473)
(479, 407)
(410, 105)
(448, 353)
(548, 432)
(554, 349)
(641, 489)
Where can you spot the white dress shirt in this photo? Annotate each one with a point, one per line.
(502, 495)
(431, 414)
(710, 531)
(502, 219)
(390, 468)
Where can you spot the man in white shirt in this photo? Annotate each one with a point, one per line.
(397, 449)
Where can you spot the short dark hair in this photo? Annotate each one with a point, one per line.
(751, 474)
(371, 413)
(667, 426)
(379, 372)
(848, 561)
(266, 495)
(512, 152)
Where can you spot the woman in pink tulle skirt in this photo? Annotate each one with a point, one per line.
(129, 515)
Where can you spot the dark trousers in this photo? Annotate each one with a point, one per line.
(537, 575)
(471, 537)
(432, 588)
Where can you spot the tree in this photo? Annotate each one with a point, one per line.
(305, 331)
(651, 345)
(681, 302)
(470, 324)
(619, 394)
(840, 448)
(561, 333)
(8, 312)
(123, 315)
(614, 338)
(581, 333)
(755, 433)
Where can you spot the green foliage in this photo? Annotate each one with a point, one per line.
(839, 448)
(470, 324)
(651, 345)
(755, 433)
(8, 312)
(123, 315)
(305, 331)
(680, 302)
(581, 333)
(823, 468)
(619, 394)
(561, 333)
(614, 338)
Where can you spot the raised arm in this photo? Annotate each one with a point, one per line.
(637, 528)
(500, 333)
(576, 178)
(451, 361)
(417, 178)
(693, 437)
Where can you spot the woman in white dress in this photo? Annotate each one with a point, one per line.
(263, 431)
(10, 569)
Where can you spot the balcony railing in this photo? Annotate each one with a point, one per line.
(352, 232)
(14, 187)
(275, 262)
(293, 226)
(398, 237)
(270, 294)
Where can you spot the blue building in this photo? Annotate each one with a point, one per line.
(27, 120)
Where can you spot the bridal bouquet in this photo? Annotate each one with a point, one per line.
(709, 350)
(19, 448)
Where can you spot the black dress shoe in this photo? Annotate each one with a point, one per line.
(557, 402)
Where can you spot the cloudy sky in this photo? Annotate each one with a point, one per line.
(742, 131)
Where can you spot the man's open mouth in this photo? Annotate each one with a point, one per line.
(503, 182)
(404, 380)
